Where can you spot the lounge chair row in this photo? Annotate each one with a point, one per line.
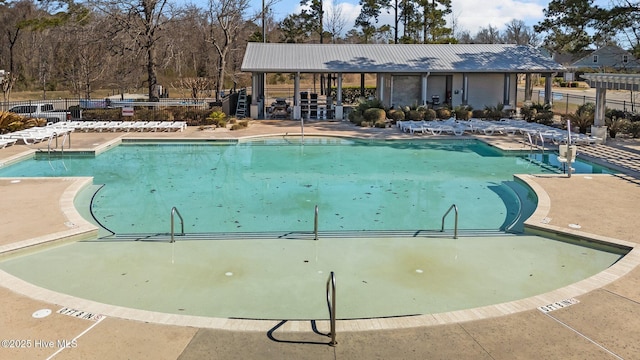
(125, 126)
(35, 135)
(531, 131)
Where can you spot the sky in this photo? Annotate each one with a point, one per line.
(471, 15)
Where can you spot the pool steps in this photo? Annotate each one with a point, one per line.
(303, 235)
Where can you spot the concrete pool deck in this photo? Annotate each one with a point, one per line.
(603, 324)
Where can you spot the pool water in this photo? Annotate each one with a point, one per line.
(274, 185)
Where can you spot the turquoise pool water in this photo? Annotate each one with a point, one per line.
(274, 184)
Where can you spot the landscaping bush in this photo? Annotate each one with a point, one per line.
(478, 114)
(374, 114)
(114, 114)
(217, 118)
(615, 126)
(146, 114)
(633, 129)
(544, 118)
(415, 115)
(494, 112)
(395, 115)
(430, 114)
(463, 112)
(357, 116)
(583, 117)
(240, 125)
(380, 124)
(443, 113)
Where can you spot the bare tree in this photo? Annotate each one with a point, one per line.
(335, 22)
(517, 32)
(488, 35)
(198, 87)
(142, 22)
(226, 21)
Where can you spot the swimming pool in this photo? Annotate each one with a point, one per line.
(272, 185)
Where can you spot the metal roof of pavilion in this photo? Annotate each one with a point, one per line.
(395, 58)
(614, 81)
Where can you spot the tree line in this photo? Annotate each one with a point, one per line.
(86, 45)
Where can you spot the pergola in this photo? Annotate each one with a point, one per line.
(602, 82)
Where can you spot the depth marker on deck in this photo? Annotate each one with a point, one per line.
(558, 305)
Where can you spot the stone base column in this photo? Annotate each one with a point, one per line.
(599, 132)
(338, 113)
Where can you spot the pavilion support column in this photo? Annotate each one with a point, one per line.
(339, 114)
(380, 87)
(528, 89)
(506, 94)
(423, 88)
(296, 97)
(257, 96)
(548, 89)
(465, 89)
(599, 129)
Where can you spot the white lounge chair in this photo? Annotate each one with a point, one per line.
(6, 141)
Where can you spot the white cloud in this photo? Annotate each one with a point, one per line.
(471, 15)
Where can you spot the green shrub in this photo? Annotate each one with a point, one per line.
(102, 114)
(414, 115)
(430, 114)
(374, 114)
(443, 113)
(463, 112)
(395, 115)
(478, 114)
(380, 124)
(545, 118)
(494, 112)
(240, 125)
(633, 129)
(615, 126)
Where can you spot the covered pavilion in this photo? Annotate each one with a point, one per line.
(406, 74)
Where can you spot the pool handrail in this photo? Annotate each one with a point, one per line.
(331, 303)
(315, 225)
(174, 211)
(455, 228)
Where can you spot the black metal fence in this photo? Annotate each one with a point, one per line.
(567, 102)
(127, 109)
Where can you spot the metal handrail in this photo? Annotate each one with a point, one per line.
(455, 229)
(174, 210)
(53, 135)
(331, 303)
(315, 225)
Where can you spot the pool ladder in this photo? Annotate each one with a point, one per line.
(331, 304)
(175, 211)
(53, 136)
(455, 228)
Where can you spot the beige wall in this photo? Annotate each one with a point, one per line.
(406, 90)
